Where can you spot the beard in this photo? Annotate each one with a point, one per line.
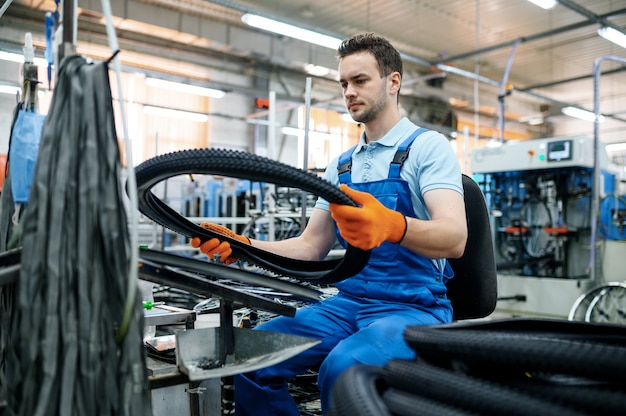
(380, 101)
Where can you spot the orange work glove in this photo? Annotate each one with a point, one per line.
(214, 246)
(369, 225)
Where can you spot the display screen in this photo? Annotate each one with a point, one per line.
(561, 150)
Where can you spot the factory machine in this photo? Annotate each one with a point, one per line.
(540, 197)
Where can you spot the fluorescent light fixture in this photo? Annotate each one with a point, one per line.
(170, 113)
(581, 114)
(190, 89)
(19, 58)
(9, 89)
(616, 147)
(544, 4)
(613, 35)
(493, 143)
(316, 70)
(291, 31)
(347, 118)
(293, 131)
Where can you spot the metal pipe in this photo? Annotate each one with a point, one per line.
(595, 203)
(5, 6)
(595, 19)
(305, 161)
(271, 141)
(503, 91)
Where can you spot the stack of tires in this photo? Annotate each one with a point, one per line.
(512, 367)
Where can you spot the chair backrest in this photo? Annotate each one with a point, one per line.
(473, 290)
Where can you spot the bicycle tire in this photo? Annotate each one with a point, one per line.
(593, 398)
(608, 306)
(238, 164)
(586, 350)
(535, 216)
(579, 310)
(402, 403)
(467, 392)
(358, 392)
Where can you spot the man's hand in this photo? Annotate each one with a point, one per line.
(368, 226)
(214, 247)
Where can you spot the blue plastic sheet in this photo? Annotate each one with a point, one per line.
(23, 153)
(613, 217)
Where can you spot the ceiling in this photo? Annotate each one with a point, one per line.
(550, 53)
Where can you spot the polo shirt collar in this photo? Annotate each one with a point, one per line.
(400, 131)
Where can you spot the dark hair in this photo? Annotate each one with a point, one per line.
(386, 55)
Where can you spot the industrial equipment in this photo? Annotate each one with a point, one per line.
(540, 196)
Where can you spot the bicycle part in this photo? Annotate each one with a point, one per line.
(525, 346)
(244, 166)
(579, 309)
(215, 269)
(535, 215)
(609, 305)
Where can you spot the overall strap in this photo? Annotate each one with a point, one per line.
(344, 166)
(402, 153)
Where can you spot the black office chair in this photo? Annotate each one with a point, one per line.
(491, 367)
(473, 290)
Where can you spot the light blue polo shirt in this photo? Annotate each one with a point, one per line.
(431, 164)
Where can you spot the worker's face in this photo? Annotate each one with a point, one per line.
(365, 92)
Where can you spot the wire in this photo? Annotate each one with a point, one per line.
(132, 183)
(5, 6)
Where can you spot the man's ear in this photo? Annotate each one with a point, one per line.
(396, 79)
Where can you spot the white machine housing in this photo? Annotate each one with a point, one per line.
(533, 154)
(513, 169)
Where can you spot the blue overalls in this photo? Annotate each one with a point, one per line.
(365, 321)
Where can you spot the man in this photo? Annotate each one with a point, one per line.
(411, 215)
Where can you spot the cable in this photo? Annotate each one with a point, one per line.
(5, 6)
(132, 185)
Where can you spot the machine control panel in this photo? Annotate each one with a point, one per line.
(559, 150)
(536, 154)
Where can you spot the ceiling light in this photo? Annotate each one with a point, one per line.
(544, 4)
(9, 89)
(581, 114)
(615, 147)
(347, 118)
(19, 58)
(293, 131)
(615, 36)
(291, 31)
(493, 143)
(316, 70)
(171, 113)
(190, 89)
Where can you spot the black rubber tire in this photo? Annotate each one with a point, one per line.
(213, 270)
(402, 403)
(244, 165)
(465, 392)
(586, 350)
(358, 391)
(592, 398)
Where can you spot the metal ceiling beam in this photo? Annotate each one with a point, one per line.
(509, 44)
(591, 19)
(568, 80)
